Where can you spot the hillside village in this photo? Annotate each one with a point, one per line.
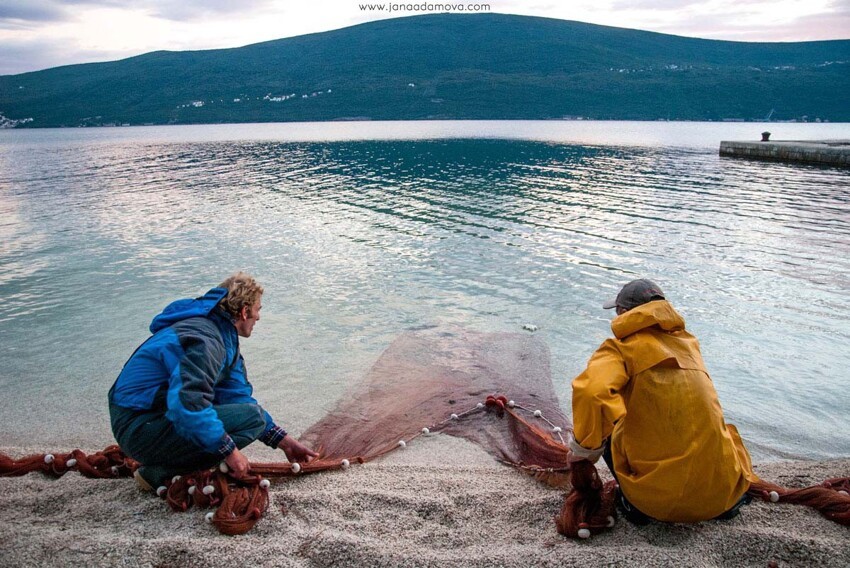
(446, 67)
(242, 98)
(13, 123)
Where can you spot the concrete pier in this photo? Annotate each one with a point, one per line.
(831, 152)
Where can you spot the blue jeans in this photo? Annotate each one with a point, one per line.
(150, 438)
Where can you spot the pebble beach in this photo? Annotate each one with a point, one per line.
(439, 502)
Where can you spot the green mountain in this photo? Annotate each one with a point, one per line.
(447, 66)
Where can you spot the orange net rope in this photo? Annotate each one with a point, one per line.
(427, 381)
(105, 464)
(589, 507)
(831, 498)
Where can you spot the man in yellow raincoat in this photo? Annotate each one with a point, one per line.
(647, 403)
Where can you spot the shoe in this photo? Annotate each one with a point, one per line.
(141, 481)
(728, 515)
(746, 499)
(630, 511)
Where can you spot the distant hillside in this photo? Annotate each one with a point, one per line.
(446, 66)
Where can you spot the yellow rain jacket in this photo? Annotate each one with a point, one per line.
(675, 458)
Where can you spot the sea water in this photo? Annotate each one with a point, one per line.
(360, 231)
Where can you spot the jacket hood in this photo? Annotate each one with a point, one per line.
(188, 308)
(658, 312)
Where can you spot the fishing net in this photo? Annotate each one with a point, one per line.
(493, 389)
(426, 377)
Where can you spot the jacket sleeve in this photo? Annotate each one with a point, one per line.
(194, 360)
(235, 389)
(597, 399)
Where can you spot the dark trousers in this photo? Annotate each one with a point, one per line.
(150, 438)
(631, 512)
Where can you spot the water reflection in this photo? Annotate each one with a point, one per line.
(358, 241)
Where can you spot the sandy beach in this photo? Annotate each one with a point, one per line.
(440, 502)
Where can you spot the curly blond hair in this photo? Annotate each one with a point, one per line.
(242, 290)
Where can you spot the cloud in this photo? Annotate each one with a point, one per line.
(38, 34)
(14, 13)
(740, 20)
(17, 13)
(704, 6)
(17, 58)
(29, 55)
(810, 27)
(185, 10)
(835, 25)
(656, 5)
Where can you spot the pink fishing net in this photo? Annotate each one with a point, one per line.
(426, 376)
(493, 389)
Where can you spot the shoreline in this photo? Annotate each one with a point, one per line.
(441, 502)
(363, 119)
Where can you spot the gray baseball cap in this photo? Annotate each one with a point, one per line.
(634, 294)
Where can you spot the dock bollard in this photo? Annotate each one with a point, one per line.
(765, 136)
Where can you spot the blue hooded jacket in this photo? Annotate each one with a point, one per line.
(190, 363)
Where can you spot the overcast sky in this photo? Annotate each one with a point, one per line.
(37, 34)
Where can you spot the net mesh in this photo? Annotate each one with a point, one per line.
(493, 389)
(425, 376)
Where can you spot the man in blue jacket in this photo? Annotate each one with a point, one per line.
(183, 401)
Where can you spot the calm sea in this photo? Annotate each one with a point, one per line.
(360, 231)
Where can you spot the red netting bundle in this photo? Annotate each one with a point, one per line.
(831, 498)
(589, 507)
(427, 381)
(108, 463)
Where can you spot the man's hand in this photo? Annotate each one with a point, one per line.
(237, 463)
(296, 451)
